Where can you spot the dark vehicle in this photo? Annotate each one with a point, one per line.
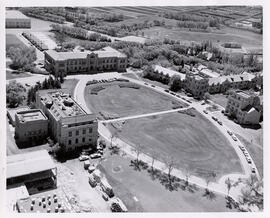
(166, 90)
(153, 85)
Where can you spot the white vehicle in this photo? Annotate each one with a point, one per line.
(229, 132)
(234, 138)
(83, 157)
(91, 168)
(95, 155)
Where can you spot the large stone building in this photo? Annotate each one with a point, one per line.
(106, 59)
(244, 107)
(16, 19)
(69, 124)
(31, 126)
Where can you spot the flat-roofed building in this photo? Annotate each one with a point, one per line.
(244, 107)
(16, 19)
(31, 126)
(64, 63)
(69, 124)
(11, 112)
(35, 169)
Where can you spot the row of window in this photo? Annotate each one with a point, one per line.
(80, 124)
(77, 132)
(77, 141)
(36, 132)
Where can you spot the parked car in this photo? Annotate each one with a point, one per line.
(189, 101)
(100, 152)
(229, 132)
(145, 83)
(219, 122)
(206, 112)
(92, 181)
(203, 103)
(26, 84)
(91, 168)
(249, 161)
(153, 85)
(178, 96)
(214, 118)
(95, 155)
(83, 157)
(166, 90)
(234, 138)
(118, 206)
(253, 170)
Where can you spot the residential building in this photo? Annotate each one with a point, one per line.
(64, 63)
(244, 107)
(36, 170)
(31, 126)
(196, 84)
(69, 124)
(16, 19)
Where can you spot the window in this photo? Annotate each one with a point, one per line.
(77, 132)
(90, 139)
(90, 130)
(76, 141)
(69, 142)
(83, 139)
(84, 131)
(69, 134)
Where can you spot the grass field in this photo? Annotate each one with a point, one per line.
(193, 141)
(13, 41)
(141, 193)
(219, 99)
(126, 101)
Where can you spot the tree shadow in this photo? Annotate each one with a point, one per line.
(209, 195)
(114, 150)
(138, 165)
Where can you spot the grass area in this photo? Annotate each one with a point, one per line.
(13, 41)
(15, 74)
(70, 84)
(194, 142)
(142, 193)
(256, 153)
(220, 99)
(126, 101)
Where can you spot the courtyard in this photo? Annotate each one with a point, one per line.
(125, 101)
(196, 144)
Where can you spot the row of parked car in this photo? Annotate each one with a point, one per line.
(91, 153)
(101, 81)
(216, 119)
(178, 96)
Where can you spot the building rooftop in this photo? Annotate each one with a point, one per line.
(170, 72)
(243, 94)
(103, 53)
(28, 163)
(231, 78)
(14, 14)
(12, 111)
(14, 194)
(31, 115)
(60, 103)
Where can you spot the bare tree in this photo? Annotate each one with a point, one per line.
(170, 163)
(229, 184)
(113, 135)
(138, 150)
(154, 158)
(210, 177)
(187, 174)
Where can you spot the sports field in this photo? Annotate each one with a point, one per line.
(13, 41)
(127, 101)
(194, 142)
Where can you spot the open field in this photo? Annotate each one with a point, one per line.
(13, 41)
(144, 193)
(194, 142)
(126, 101)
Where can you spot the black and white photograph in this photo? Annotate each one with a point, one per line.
(134, 108)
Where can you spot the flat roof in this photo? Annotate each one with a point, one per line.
(62, 105)
(14, 14)
(31, 115)
(28, 163)
(12, 111)
(103, 53)
(243, 94)
(14, 194)
(169, 71)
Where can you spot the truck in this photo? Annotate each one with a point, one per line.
(118, 206)
(106, 187)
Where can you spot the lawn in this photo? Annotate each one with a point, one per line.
(141, 193)
(70, 84)
(219, 99)
(194, 142)
(15, 74)
(126, 101)
(13, 41)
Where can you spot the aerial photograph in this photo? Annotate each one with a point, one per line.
(134, 109)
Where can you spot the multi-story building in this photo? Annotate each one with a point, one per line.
(16, 19)
(244, 107)
(106, 59)
(69, 124)
(196, 84)
(31, 126)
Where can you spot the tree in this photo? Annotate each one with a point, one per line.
(229, 184)
(138, 150)
(154, 158)
(206, 96)
(15, 94)
(175, 83)
(22, 57)
(210, 177)
(170, 163)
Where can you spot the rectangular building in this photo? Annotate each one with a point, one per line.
(243, 107)
(16, 19)
(31, 126)
(69, 124)
(64, 63)
(35, 169)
